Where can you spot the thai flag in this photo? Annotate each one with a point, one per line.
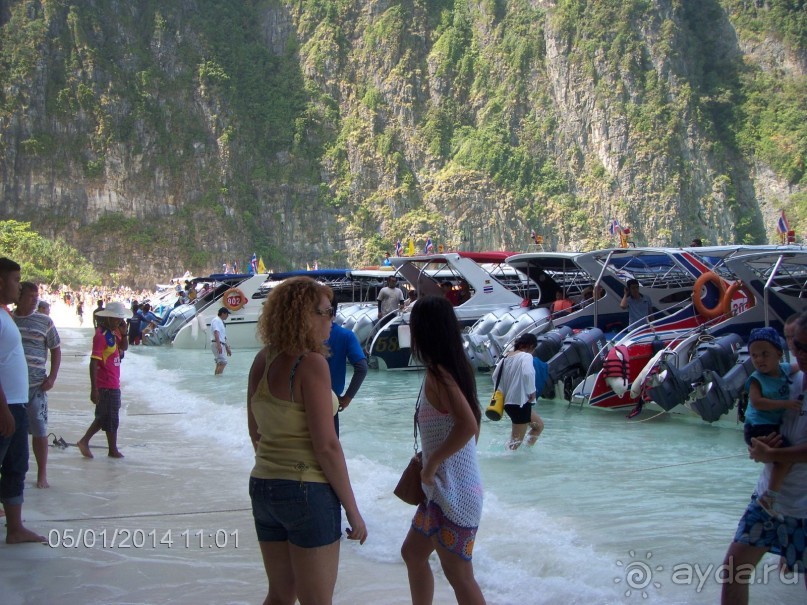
(398, 248)
(614, 227)
(782, 226)
(429, 249)
(253, 263)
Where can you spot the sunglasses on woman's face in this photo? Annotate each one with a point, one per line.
(324, 312)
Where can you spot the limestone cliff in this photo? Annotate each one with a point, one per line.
(159, 136)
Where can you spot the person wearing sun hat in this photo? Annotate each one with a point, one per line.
(768, 397)
(110, 340)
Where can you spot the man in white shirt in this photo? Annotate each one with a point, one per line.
(218, 335)
(13, 417)
(758, 532)
(390, 297)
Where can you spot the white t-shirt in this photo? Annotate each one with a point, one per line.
(390, 299)
(217, 325)
(13, 368)
(518, 378)
(793, 499)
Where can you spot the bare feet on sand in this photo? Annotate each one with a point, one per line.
(24, 535)
(84, 448)
(115, 454)
(43, 482)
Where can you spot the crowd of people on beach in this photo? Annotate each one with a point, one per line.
(300, 484)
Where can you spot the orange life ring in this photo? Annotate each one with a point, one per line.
(700, 283)
(234, 299)
(729, 295)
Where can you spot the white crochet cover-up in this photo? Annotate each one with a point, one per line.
(457, 488)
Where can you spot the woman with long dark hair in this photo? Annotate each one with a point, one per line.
(448, 421)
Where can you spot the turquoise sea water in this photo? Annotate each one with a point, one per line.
(601, 510)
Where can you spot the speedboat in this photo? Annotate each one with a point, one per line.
(245, 303)
(212, 292)
(390, 341)
(592, 283)
(729, 299)
(707, 370)
(544, 274)
(358, 308)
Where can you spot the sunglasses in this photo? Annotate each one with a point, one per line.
(324, 312)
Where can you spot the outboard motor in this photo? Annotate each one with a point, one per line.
(364, 322)
(549, 343)
(535, 321)
(721, 392)
(164, 334)
(577, 354)
(481, 350)
(674, 385)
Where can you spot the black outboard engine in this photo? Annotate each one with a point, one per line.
(549, 343)
(721, 392)
(716, 356)
(578, 353)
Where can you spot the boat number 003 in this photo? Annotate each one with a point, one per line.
(234, 299)
(387, 344)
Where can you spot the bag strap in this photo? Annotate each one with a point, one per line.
(417, 411)
(499, 377)
(293, 371)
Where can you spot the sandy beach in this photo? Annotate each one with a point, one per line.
(169, 523)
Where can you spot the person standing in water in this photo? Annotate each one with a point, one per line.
(448, 418)
(220, 346)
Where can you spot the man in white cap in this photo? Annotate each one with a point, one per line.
(111, 337)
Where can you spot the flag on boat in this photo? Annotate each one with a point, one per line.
(253, 263)
(398, 248)
(782, 226)
(235, 266)
(614, 227)
(261, 266)
(411, 247)
(429, 248)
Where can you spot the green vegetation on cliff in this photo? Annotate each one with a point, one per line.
(45, 261)
(200, 131)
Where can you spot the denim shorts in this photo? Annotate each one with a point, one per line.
(305, 514)
(37, 408)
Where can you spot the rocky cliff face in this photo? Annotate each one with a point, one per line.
(163, 136)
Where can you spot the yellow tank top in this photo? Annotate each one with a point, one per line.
(285, 450)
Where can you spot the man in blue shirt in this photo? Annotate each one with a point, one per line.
(344, 347)
(638, 305)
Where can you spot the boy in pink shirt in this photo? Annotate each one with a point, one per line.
(110, 338)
